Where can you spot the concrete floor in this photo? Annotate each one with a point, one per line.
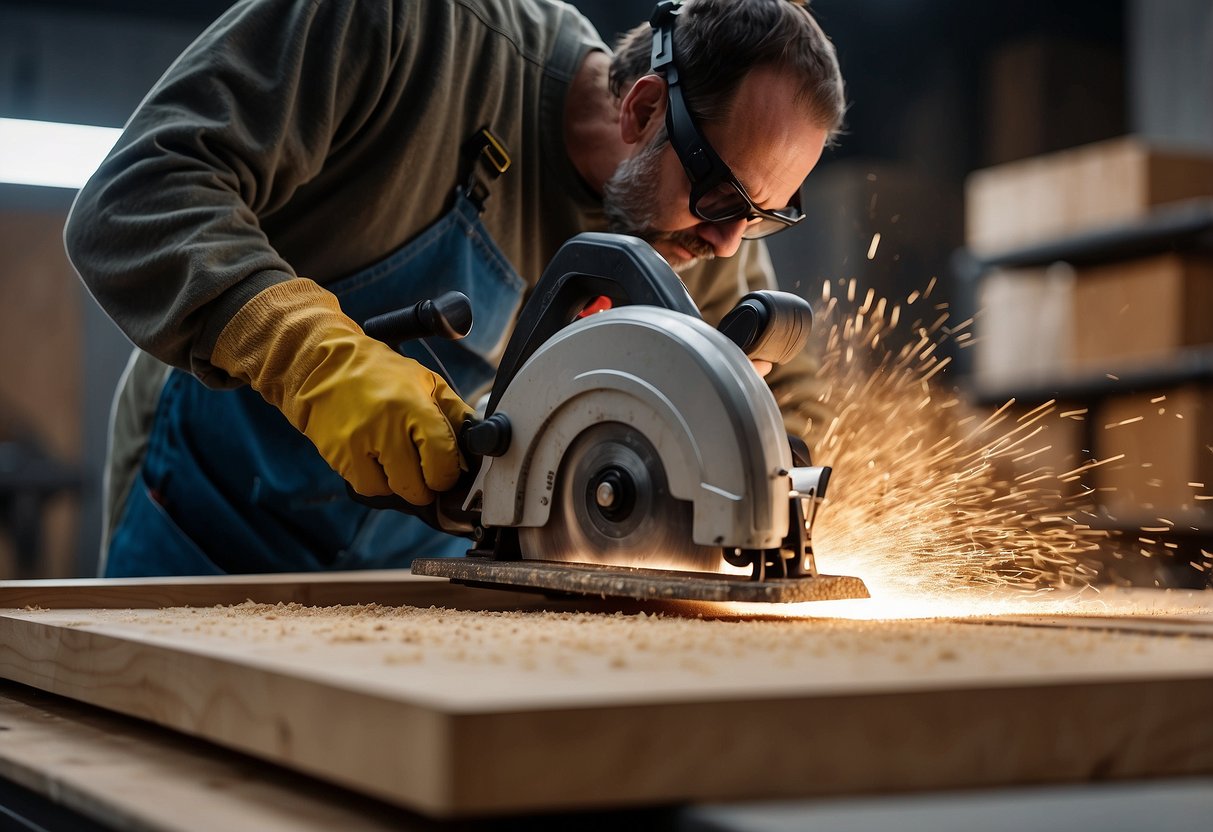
(1150, 806)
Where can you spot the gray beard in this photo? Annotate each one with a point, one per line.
(629, 198)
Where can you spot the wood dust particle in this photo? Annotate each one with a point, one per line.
(573, 643)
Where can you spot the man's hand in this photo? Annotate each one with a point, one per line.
(384, 422)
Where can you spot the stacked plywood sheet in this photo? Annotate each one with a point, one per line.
(1161, 447)
(1139, 311)
(1024, 325)
(1045, 322)
(1084, 189)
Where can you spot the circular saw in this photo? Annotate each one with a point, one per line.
(636, 452)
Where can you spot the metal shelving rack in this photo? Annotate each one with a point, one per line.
(1185, 227)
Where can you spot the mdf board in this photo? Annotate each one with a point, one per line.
(1023, 326)
(1166, 439)
(1040, 199)
(1141, 310)
(467, 710)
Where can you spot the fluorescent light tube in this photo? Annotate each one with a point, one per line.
(52, 154)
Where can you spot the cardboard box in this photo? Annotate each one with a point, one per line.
(1167, 441)
(1141, 311)
(1063, 193)
(1023, 326)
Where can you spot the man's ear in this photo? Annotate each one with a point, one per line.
(642, 111)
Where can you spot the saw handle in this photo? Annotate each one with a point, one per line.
(769, 326)
(447, 316)
(590, 265)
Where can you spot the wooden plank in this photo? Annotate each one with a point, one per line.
(1178, 627)
(1181, 613)
(457, 711)
(128, 774)
(387, 586)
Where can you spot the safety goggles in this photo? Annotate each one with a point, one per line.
(716, 195)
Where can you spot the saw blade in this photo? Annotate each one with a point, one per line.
(611, 505)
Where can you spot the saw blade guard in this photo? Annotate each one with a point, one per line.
(688, 389)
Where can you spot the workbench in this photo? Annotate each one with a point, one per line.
(385, 696)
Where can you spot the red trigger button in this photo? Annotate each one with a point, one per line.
(598, 304)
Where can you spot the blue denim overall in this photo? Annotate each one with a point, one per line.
(229, 486)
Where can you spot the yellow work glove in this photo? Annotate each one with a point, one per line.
(384, 422)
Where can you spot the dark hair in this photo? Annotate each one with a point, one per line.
(716, 42)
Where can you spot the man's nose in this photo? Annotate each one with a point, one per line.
(723, 237)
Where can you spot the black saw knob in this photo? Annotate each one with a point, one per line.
(447, 316)
(769, 326)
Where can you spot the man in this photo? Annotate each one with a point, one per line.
(342, 141)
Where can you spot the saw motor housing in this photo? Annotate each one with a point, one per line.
(683, 385)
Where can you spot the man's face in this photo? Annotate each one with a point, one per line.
(767, 141)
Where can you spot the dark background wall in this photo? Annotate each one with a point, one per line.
(937, 88)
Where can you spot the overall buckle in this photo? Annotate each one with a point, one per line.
(487, 158)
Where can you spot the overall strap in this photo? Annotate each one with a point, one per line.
(485, 156)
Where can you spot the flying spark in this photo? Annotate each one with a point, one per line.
(932, 504)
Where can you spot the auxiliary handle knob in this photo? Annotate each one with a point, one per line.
(448, 316)
(769, 326)
(488, 437)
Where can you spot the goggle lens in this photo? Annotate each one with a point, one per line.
(722, 203)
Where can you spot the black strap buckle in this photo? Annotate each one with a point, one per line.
(487, 158)
(662, 23)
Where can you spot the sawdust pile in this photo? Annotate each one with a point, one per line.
(581, 641)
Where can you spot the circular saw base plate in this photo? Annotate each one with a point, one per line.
(637, 583)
